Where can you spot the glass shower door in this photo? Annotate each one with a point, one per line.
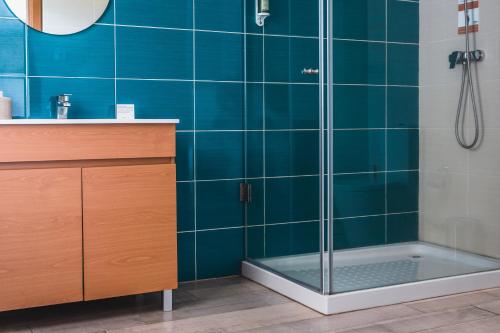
(283, 140)
(408, 203)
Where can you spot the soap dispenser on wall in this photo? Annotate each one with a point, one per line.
(261, 11)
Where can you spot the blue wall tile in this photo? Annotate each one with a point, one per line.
(359, 19)
(358, 232)
(402, 107)
(402, 228)
(254, 106)
(285, 57)
(255, 59)
(140, 54)
(185, 206)
(402, 192)
(92, 98)
(186, 256)
(159, 99)
(359, 151)
(254, 154)
(294, 18)
(185, 156)
(219, 106)
(215, 197)
(219, 56)
(89, 53)
(219, 252)
(292, 199)
(403, 21)
(255, 241)
(220, 15)
(255, 209)
(11, 47)
(292, 238)
(402, 64)
(292, 153)
(402, 149)
(359, 195)
(292, 106)
(359, 62)
(219, 155)
(358, 107)
(155, 13)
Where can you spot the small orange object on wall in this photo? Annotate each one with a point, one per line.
(472, 12)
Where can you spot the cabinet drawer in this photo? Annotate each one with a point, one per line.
(129, 230)
(40, 237)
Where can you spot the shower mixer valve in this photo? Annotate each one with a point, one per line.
(460, 57)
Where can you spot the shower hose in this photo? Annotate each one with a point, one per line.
(467, 88)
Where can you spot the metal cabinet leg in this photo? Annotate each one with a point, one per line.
(167, 300)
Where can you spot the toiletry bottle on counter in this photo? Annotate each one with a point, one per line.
(5, 107)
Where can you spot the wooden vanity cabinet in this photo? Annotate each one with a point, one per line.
(40, 237)
(76, 225)
(129, 217)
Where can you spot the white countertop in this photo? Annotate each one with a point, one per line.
(85, 121)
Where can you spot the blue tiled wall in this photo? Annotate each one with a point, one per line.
(375, 71)
(283, 130)
(376, 105)
(172, 59)
(246, 113)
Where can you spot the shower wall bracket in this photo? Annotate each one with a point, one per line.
(261, 11)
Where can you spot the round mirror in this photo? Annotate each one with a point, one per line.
(58, 17)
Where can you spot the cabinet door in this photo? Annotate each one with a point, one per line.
(40, 237)
(129, 230)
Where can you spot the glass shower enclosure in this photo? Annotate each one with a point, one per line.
(356, 181)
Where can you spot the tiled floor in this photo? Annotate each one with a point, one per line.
(238, 305)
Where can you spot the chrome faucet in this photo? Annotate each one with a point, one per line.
(63, 105)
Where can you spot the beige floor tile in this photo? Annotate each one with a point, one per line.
(370, 329)
(452, 302)
(84, 325)
(238, 305)
(493, 307)
(231, 322)
(214, 305)
(490, 325)
(349, 320)
(427, 321)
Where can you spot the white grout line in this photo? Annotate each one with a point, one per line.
(386, 207)
(195, 187)
(210, 81)
(298, 222)
(27, 98)
(245, 124)
(264, 162)
(296, 176)
(301, 130)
